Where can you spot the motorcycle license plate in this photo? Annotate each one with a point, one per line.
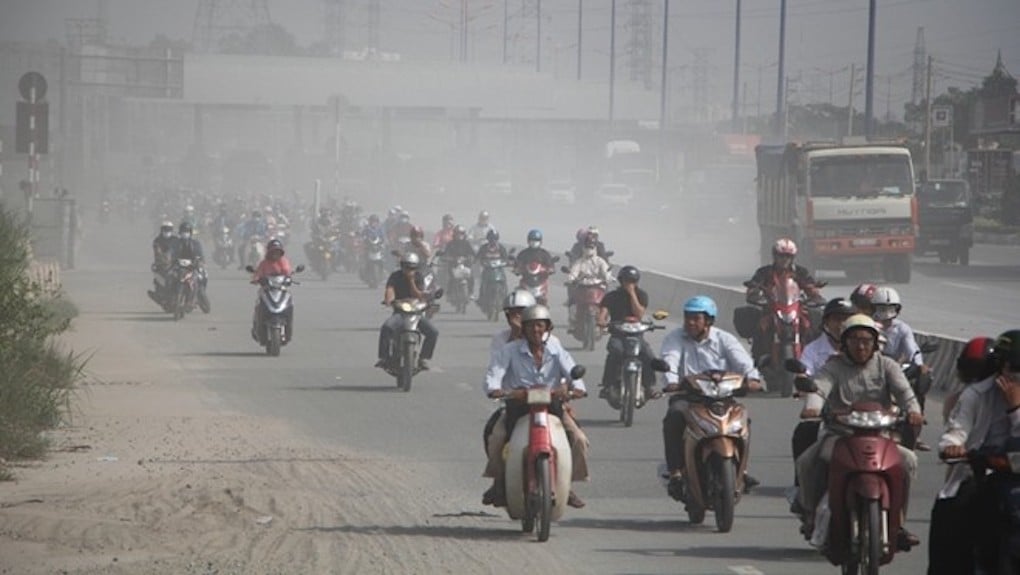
(864, 242)
(540, 396)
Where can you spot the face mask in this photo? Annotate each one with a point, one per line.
(589, 252)
(165, 234)
(534, 244)
(186, 235)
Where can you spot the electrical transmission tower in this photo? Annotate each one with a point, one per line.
(641, 45)
(218, 19)
(919, 69)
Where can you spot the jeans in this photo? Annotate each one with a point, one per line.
(393, 324)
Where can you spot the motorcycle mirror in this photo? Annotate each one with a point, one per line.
(437, 294)
(748, 284)
(610, 253)
(805, 385)
(395, 253)
(577, 372)
(565, 269)
(659, 364)
(555, 259)
(249, 269)
(794, 366)
(300, 268)
(660, 314)
(820, 285)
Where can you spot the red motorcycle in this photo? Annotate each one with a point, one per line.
(587, 297)
(866, 491)
(782, 311)
(538, 461)
(535, 279)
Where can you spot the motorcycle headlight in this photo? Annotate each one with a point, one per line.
(405, 306)
(867, 419)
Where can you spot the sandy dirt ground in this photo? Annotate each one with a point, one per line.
(153, 476)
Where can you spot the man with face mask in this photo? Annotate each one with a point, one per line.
(589, 270)
(525, 355)
(187, 247)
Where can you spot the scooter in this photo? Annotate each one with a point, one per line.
(717, 443)
(626, 392)
(865, 497)
(538, 461)
(493, 288)
(223, 254)
(404, 345)
(189, 283)
(274, 314)
(372, 262)
(535, 278)
(587, 296)
(459, 273)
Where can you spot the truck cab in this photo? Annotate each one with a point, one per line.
(946, 220)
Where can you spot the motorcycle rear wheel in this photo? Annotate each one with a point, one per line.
(543, 500)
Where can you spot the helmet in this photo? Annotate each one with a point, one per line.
(417, 232)
(459, 232)
(518, 299)
(185, 227)
(593, 232)
(701, 304)
(976, 360)
(189, 208)
(166, 227)
(1007, 349)
(492, 236)
(839, 305)
(887, 303)
(410, 260)
(536, 313)
(534, 236)
(862, 294)
(628, 274)
(483, 216)
(784, 247)
(581, 234)
(268, 209)
(274, 244)
(447, 219)
(858, 321)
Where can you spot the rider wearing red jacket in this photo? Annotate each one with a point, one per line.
(274, 264)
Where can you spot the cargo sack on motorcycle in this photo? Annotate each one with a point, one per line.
(745, 321)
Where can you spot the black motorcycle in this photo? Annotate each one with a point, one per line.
(274, 315)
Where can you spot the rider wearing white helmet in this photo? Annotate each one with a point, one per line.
(407, 282)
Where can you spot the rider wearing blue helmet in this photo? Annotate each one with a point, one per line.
(534, 252)
(694, 348)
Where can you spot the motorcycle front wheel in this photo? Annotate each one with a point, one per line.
(629, 398)
(726, 493)
(543, 499)
(180, 303)
(203, 301)
(408, 362)
(589, 331)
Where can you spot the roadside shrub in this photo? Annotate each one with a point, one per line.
(37, 375)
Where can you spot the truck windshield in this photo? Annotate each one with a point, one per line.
(933, 193)
(861, 175)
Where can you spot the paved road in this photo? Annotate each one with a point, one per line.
(324, 383)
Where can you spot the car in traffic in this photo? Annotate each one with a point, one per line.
(614, 194)
(561, 192)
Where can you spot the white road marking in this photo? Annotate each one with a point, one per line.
(963, 286)
(744, 570)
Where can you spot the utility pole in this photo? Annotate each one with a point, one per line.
(580, 19)
(736, 73)
(869, 87)
(665, 54)
(780, 79)
(850, 105)
(538, 39)
(927, 121)
(612, 59)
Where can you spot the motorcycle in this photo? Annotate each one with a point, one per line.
(274, 312)
(403, 354)
(538, 462)
(372, 262)
(535, 278)
(223, 253)
(320, 253)
(189, 283)
(859, 518)
(255, 252)
(717, 443)
(493, 288)
(587, 296)
(459, 276)
(350, 251)
(786, 312)
(996, 472)
(626, 392)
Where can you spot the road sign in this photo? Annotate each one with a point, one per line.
(941, 116)
(31, 80)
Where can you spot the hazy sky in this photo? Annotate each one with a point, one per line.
(824, 36)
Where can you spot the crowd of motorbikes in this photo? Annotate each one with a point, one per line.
(862, 509)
